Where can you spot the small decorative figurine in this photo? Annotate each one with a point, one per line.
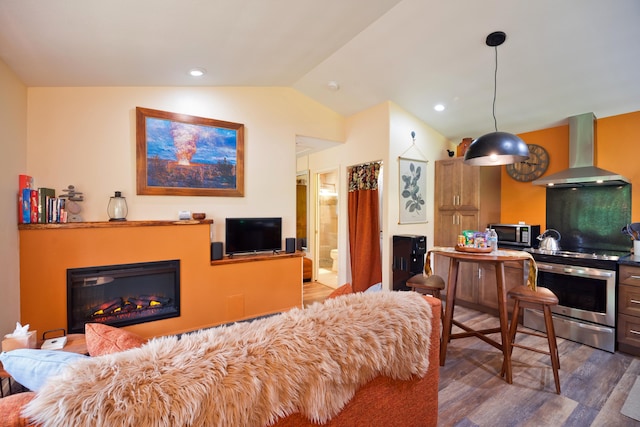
(72, 206)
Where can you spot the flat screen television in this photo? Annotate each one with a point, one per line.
(245, 235)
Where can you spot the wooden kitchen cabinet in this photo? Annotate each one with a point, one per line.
(467, 287)
(452, 222)
(628, 330)
(459, 186)
(515, 275)
(467, 198)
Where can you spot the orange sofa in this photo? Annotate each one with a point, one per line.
(381, 401)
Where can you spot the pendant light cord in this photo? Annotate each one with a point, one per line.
(495, 85)
(496, 148)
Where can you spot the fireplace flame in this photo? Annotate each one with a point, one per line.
(124, 305)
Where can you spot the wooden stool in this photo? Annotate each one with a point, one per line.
(431, 285)
(540, 299)
(424, 284)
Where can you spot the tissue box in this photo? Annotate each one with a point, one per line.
(27, 341)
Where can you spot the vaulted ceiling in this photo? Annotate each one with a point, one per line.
(560, 58)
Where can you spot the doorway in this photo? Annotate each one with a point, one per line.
(302, 191)
(327, 228)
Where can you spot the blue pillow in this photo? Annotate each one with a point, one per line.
(32, 368)
(374, 288)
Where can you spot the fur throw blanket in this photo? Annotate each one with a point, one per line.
(309, 360)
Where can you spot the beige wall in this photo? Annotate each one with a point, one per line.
(382, 133)
(368, 129)
(13, 142)
(86, 137)
(430, 146)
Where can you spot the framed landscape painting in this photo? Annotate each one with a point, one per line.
(183, 155)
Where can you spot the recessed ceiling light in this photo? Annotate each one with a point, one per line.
(438, 107)
(197, 72)
(333, 85)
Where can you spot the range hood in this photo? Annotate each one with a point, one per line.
(582, 146)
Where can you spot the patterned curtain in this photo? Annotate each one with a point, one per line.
(364, 226)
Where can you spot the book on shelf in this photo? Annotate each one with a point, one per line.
(25, 182)
(25, 203)
(56, 212)
(33, 207)
(62, 211)
(39, 205)
(44, 194)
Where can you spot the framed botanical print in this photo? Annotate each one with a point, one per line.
(412, 191)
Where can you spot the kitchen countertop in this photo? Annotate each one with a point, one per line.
(630, 260)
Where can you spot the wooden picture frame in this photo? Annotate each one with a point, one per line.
(181, 155)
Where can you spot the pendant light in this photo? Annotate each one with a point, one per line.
(496, 148)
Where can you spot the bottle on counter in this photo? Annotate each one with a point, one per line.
(492, 240)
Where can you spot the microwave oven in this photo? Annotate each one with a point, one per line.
(517, 235)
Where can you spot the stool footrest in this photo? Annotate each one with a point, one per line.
(526, 347)
(533, 333)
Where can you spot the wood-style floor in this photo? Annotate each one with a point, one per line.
(314, 291)
(594, 383)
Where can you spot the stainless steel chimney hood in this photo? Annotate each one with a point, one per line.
(582, 146)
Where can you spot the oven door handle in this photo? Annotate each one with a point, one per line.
(581, 272)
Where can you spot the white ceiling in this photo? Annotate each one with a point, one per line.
(561, 58)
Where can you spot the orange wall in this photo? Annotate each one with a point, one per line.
(616, 149)
(210, 294)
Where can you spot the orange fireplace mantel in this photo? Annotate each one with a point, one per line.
(211, 294)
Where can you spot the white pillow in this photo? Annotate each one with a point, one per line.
(31, 367)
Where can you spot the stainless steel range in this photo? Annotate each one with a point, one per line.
(585, 284)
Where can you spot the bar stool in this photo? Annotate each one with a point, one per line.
(431, 285)
(540, 299)
(422, 283)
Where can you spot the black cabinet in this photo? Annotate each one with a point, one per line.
(408, 258)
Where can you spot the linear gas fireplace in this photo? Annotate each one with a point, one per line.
(121, 295)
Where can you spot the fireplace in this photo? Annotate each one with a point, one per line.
(124, 294)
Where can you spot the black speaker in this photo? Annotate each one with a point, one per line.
(216, 251)
(290, 245)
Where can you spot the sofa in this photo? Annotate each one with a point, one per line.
(355, 359)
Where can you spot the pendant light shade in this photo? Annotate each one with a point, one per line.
(496, 148)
